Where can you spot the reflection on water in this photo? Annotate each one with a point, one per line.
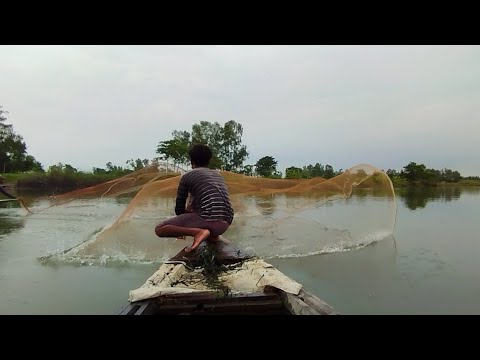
(9, 204)
(370, 192)
(9, 224)
(266, 204)
(418, 197)
(11, 217)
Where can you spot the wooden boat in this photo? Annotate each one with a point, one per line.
(220, 278)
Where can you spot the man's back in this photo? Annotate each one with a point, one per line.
(211, 199)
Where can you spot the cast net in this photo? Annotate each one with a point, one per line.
(273, 217)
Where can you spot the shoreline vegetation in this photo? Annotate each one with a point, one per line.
(399, 183)
(63, 179)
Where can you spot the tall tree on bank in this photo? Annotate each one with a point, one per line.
(225, 142)
(232, 152)
(266, 166)
(211, 135)
(13, 150)
(175, 149)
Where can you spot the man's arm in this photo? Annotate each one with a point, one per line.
(182, 194)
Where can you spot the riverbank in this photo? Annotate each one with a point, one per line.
(55, 182)
(58, 182)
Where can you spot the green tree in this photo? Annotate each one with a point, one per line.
(392, 173)
(209, 134)
(430, 176)
(114, 169)
(329, 172)
(163, 149)
(228, 153)
(30, 164)
(246, 170)
(69, 169)
(311, 171)
(182, 142)
(53, 169)
(293, 172)
(138, 164)
(2, 116)
(175, 149)
(98, 171)
(413, 172)
(306, 172)
(266, 166)
(13, 150)
(449, 175)
(232, 153)
(225, 142)
(277, 175)
(318, 170)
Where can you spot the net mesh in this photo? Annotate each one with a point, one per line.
(273, 217)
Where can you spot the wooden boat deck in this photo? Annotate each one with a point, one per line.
(270, 301)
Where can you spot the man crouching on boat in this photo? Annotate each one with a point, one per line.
(210, 213)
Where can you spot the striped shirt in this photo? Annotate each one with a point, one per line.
(211, 200)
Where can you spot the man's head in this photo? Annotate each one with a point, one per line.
(200, 155)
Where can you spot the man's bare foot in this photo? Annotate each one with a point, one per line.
(198, 239)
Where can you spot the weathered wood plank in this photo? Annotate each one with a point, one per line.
(222, 304)
(297, 307)
(275, 278)
(140, 308)
(174, 275)
(252, 306)
(175, 308)
(316, 303)
(218, 295)
(129, 309)
(160, 274)
(218, 298)
(271, 303)
(143, 308)
(306, 303)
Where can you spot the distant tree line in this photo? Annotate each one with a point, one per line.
(311, 171)
(419, 173)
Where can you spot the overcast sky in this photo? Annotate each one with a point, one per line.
(337, 105)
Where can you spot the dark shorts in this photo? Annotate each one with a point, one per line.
(192, 220)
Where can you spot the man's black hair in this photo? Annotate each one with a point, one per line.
(200, 155)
